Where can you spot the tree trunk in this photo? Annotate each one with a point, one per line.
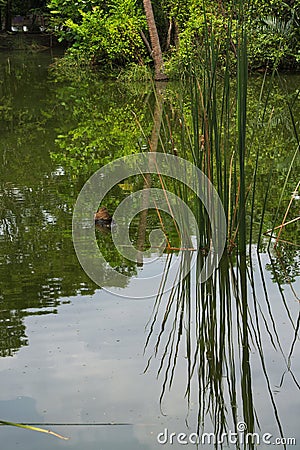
(156, 49)
(146, 42)
(169, 34)
(176, 34)
(8, 15)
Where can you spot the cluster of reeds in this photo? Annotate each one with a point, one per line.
(215, 324)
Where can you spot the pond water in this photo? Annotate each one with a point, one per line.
(115, 366)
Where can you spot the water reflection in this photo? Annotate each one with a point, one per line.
(224, 351)
(34, 215)
(223, 328)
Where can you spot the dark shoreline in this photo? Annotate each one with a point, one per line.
(28, 41)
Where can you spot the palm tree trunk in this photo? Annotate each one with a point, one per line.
(155, 44)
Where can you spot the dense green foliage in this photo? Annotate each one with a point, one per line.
(272, 28)
(113, 34)
(102, 34)
(110, 32)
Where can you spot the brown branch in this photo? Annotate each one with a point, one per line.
(169, 34)
(146, 42)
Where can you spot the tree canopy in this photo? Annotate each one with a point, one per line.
(117, 33)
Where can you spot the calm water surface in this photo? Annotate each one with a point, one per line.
(72, 354)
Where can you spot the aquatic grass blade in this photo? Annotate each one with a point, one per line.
(33, 428)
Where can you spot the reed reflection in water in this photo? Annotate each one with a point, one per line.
(221, 326)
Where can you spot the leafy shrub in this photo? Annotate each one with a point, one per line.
(107, 36)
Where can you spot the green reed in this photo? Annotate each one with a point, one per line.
(32, 428)
(216, 324)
